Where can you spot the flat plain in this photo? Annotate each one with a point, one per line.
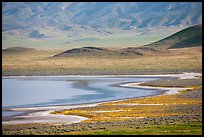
(41, 62)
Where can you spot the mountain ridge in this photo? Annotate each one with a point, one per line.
(97, 15)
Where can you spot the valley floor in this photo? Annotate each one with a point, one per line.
(42, 63)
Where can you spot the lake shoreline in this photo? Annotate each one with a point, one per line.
(44, 110)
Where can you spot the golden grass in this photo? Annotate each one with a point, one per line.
(40, 60)
(165, 105)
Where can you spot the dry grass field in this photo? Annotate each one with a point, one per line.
(42, 63)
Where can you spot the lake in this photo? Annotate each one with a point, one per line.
(61, 90)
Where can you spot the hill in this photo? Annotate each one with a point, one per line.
(189, 37)
(96, 51)
(106, 52)
(85, 51)
(18, 49)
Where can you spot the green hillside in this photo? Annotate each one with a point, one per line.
(189, 37)
(190, 42)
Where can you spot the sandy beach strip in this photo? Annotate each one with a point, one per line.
(167, 90)
(43, 114)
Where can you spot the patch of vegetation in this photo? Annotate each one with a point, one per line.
(184, 125)
(175, 129)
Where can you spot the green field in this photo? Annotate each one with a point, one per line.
(61, 40)
(176, 129)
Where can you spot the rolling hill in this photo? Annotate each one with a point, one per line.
(189, 37)
(107, 52)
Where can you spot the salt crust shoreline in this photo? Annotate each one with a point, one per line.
(43, 115)
(181, 76)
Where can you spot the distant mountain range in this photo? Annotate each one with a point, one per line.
(98, 16)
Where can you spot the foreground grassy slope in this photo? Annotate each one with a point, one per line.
(42, 63)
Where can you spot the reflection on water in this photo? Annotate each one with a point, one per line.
(11, 113)
(42, 91)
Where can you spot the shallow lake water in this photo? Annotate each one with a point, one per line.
(46, 91)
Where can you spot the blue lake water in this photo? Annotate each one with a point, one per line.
(46, 91)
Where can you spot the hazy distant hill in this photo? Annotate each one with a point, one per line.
(18, 49)
(99, 15)
(188, 37)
